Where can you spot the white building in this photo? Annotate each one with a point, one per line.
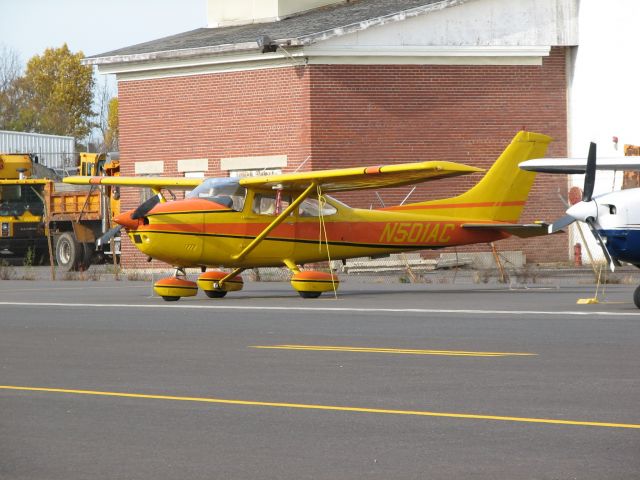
(604, 103)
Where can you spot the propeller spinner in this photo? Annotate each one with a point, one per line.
(129, 218)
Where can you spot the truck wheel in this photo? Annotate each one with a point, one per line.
(68, 252)
(86, 256)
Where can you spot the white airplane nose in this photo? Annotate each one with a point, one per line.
(583, 210)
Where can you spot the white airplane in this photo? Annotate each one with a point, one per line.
(614, 218)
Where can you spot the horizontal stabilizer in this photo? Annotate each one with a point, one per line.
(579, 165)
(525, 230)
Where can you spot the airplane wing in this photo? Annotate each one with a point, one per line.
(579, 165)
(157, 183)
(359, 178)
(525, 230)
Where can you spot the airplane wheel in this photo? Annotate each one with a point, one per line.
(215, 293)
(170, 299)
(636, 297)
(309, 294)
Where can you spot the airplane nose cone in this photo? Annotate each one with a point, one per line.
(584, 210)
(126, 221)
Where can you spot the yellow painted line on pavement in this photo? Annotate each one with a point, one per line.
(303, 406)
(402, 351)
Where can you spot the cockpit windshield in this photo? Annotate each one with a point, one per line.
(224, 191)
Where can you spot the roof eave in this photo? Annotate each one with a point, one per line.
(304, 40)
(373, 22)
(171, 54)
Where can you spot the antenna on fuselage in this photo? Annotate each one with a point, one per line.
(302, 164)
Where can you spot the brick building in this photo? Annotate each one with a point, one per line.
(350, 83)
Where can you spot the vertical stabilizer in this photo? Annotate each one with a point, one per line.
(502, 193)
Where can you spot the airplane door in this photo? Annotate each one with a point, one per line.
(264, 209)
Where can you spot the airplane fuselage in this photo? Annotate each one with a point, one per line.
(197, 234)
(617, 219)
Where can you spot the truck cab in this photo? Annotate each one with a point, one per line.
(22, 208)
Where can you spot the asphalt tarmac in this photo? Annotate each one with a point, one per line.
(104, 380)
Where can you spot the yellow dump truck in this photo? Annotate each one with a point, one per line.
(37, 211)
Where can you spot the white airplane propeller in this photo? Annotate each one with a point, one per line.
(586, 210)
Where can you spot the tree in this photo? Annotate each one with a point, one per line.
(105, 134)
(112, 134)
(10, 69)
(55, 94)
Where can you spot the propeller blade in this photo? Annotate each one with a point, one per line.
(610, 260)
(561, 223)
(145, 207)
(590, 174)
(109, 234)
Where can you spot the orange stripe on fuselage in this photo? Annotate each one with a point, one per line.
(189, 205)
(416, 206)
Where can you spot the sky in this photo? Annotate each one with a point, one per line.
(93, 26)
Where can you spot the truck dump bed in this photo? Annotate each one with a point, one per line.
(64, 204)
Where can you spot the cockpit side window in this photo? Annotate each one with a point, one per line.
(314, 207)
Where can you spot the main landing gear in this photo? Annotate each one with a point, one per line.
(214, 287)
(216, 284)
(311, 284)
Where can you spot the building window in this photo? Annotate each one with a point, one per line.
(192, 175)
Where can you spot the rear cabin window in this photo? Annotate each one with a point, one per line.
(270, 203)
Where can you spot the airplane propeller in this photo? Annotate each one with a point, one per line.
(142, 209)
(586, 210)
(145, 207)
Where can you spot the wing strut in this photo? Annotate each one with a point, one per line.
(276, 221)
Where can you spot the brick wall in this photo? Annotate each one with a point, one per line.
(366, 114)
(346, 115)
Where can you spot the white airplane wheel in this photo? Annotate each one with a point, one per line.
(636, 297)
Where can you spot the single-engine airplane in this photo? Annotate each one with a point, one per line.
(613, 218)
(288, 219)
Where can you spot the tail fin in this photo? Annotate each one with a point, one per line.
(501, 194)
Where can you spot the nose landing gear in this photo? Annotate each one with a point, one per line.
(172, 289)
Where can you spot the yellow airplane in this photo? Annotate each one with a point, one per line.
(288, 219)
